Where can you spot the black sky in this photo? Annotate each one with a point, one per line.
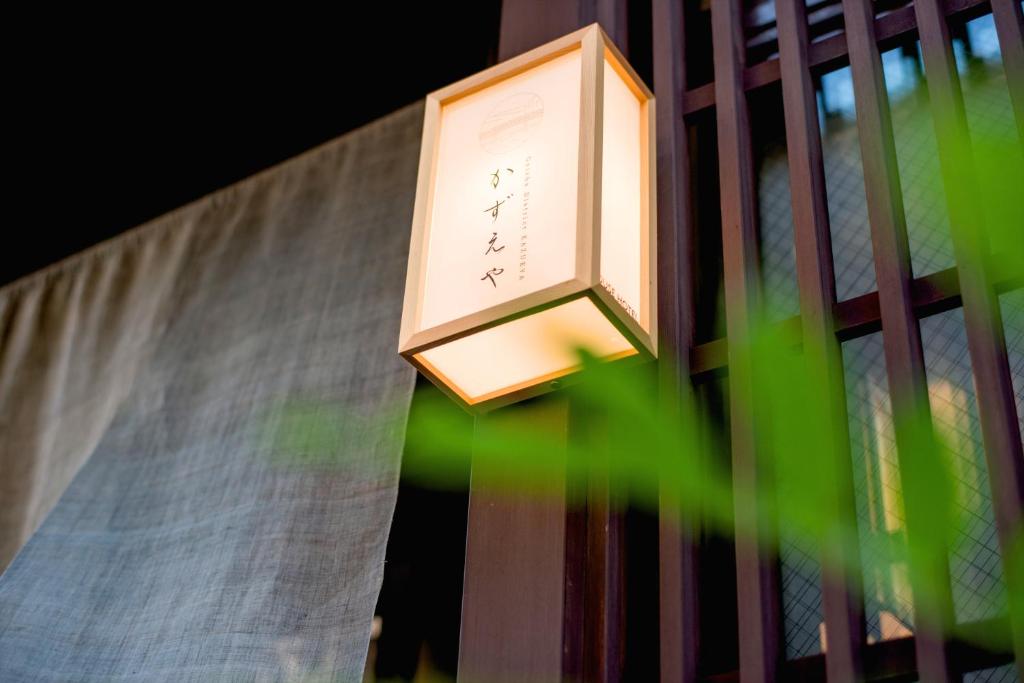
(119, 119)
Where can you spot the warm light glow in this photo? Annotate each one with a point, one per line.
(513, 146)
(525, 351)
(622, 238)
(535, 186)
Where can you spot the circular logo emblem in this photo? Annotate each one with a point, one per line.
(511, 123)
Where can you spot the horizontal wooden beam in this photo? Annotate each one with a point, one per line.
(857, 317)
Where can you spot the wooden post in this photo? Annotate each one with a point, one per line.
(542, 590)
(514, 597)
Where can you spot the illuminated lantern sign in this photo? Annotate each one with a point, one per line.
(533, 230)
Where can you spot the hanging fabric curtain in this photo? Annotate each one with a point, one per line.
(221, 389)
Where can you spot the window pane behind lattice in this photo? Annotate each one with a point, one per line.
(975, 563)
(877, 492)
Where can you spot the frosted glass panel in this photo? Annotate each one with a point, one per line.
(503, 220)
(525, 351)
(622, 194)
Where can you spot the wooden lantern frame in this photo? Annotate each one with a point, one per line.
(596, 47)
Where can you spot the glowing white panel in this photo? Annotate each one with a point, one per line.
(503, 217)
(525, 351)
(622, 195)
(535, 188)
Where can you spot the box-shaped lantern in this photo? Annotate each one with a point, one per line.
(533, 229)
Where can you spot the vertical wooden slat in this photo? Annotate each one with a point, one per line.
(575, 583)
(904, 357)
(1010, 29)
(844, 618)
(757, 577)
(604, 601)
(982, 317)
(677, 542)
(604, 617)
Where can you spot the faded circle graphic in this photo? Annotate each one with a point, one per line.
(511, 122)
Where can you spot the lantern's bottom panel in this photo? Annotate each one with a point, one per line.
(525, 352)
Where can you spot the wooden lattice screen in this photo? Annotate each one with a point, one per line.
(550, 605)
(794, 57)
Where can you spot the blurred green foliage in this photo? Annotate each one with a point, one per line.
(660, 456)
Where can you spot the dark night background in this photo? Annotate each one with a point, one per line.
(118, 119)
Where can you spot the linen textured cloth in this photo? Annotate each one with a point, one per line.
(203, 537)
